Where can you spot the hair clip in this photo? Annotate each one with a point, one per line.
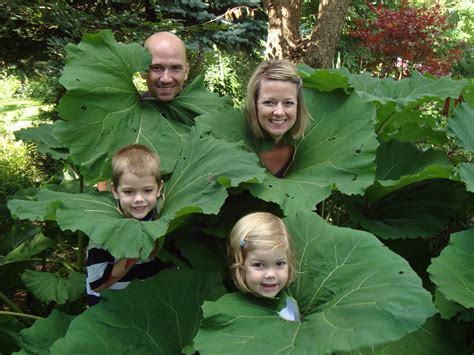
(242, 243)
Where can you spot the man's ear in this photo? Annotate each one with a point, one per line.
(187, 71)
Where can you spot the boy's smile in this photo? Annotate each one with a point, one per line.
(137, 194)
(266, 271)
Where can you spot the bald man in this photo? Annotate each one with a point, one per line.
(168, 69)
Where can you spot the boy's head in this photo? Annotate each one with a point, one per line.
(136, 180)
(261, 256)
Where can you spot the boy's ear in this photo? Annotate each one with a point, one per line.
(114, 191)
(160, 187)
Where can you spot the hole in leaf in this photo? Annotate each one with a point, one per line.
(270, 186)
(77, 79)
(400, 272)
(357, 151)
(354, 178)
(332, 138)
(83, 108)
(184, 158)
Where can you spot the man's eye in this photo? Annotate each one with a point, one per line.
(155, 69)
(176, 68)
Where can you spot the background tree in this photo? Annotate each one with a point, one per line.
(318, 49)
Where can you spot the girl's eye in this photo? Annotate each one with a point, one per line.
(281, 263)
(257, 265)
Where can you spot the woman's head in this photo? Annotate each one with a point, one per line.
(275, 103)
(261, 255)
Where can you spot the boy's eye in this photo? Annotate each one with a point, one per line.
(127, 192)
(148, 191)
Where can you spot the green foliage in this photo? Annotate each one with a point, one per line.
(451, 272)
(352, 290)
(343, 295)
(158, 315)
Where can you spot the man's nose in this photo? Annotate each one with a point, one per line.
(165, 76)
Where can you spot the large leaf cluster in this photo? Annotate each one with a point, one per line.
(353, 292)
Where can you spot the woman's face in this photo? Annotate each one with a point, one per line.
(277, 107)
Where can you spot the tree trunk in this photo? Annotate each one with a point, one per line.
(283, 28)
(284, 40)
(325, 35)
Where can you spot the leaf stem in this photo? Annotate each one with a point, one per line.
(15, 308)
(21, 314)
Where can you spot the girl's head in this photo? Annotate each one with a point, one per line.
(275, 103)
(261, 256)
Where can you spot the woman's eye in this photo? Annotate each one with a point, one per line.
(268, 103)
(289, 103)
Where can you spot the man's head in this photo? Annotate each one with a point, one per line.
(169, 69)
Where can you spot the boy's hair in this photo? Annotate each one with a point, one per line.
(259, 230)
(278, 70)
(136, 159)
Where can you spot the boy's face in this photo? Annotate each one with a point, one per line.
(266, 271)
(137, 194)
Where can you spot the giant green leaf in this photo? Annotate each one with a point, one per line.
(39, 338)
(452, 271)
(206, 167)
(46, 142)
(407, 92)
(48, 287)
(159, 315)
(103, 111)
(35, 205)
(401, 164)
(435, 337)
(28, 248)
(466, 173)
(348, 291)
(9, 334)
(194, 100)
(417, 210)
(324, 79)
(337, 152)
(461, 127)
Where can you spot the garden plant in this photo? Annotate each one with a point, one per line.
(378, 200)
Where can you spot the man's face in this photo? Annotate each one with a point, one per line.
(168, 71)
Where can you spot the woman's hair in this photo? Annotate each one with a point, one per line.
(278, 70)
(136, 159)
(259, 230)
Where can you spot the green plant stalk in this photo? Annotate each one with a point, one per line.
(15, 308)
(20, 314)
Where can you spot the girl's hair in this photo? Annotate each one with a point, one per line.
(278, 70)
(136, 159)
(259, 230)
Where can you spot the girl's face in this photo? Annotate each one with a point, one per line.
(277, 107)
(266, 271)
